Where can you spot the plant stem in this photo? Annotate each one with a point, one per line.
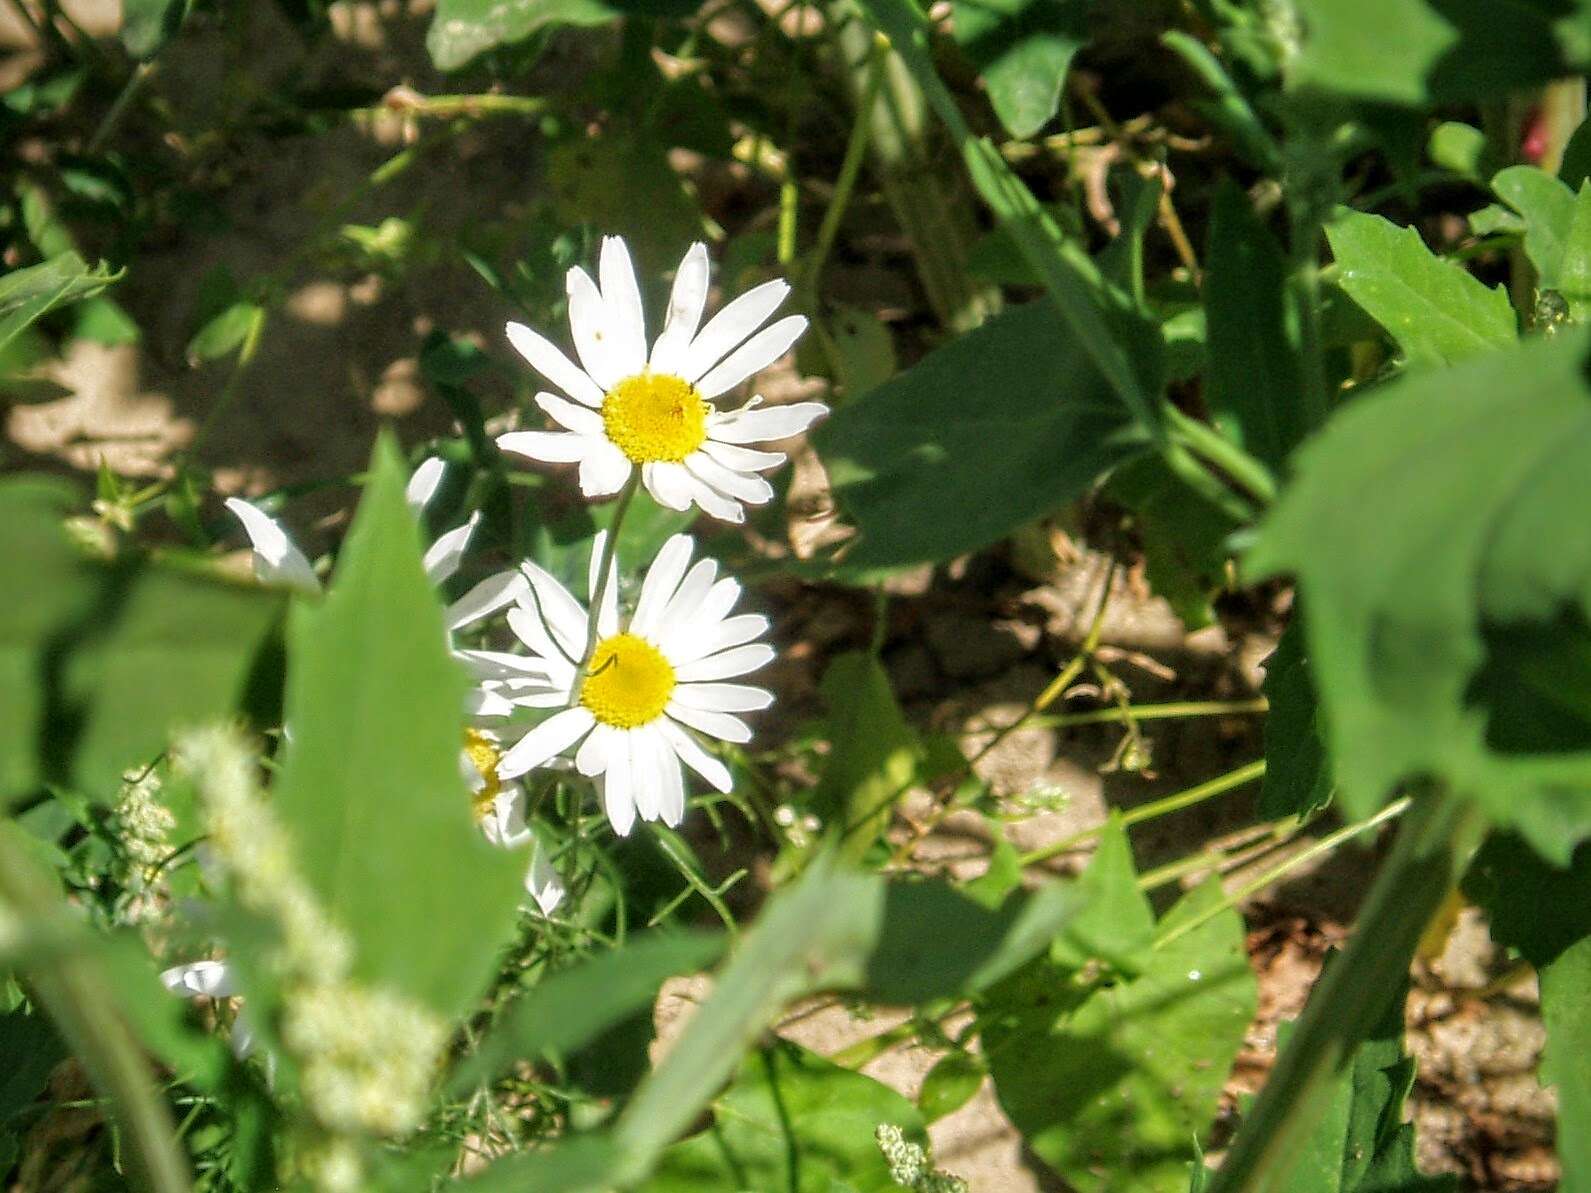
(72, 989)
(1209, 444)
(1160, 807)
(1151, 712)
(1432, 849)
(850, 169)
(229, 392)
(600, 590)
(119, 106)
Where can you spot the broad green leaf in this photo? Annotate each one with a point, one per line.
(1297, 767)
(1575, 168)
(571, 1007)
(1544, 912)
(1574, 270)
(1253, 382)
(27, 295)
(1449, 624)
(1436, 310)
(579, 1164)
(873, 757)
(31, 1050)
(953, 1082)
(148, 24)
(225, 332)
(1361, 1144)
(863, 348)
(1116, 923)
(464, 29)
(995, 429)
(790, 1122)
(1109, 1087)
(1022, 49)
(1547, 207)
(99, 663)
(371, 786)
(1462, 148)
(1417, 52)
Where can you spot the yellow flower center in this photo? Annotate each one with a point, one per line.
(655, 416)
(484, 755)
(629, 682)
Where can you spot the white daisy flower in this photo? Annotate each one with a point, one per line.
(500, 811)
(649, 682)
(211, 979)
(655, 410)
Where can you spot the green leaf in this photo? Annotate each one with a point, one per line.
(1116, 923)
(148, 24)
(371, 785)
(1253, 379)
(873, 757)
(1361, 1144)
(463, 29)
(225, 332)
(1575, 168)
(995, 429)
(791, 1122)
(31, 1050)
(99, 663)
(863, 348)
(1574, 269)
(1022, 49)
(1547, 207)
(1418, 52)
(1436, 310)
(953, 1082)
(27, 295)
(580, 1164)
(1462, 148)
(1566, 1011)
(1297, 767)
(573, 1006)
(1109, 1087)
(1450, 629)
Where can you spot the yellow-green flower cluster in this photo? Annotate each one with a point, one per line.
(909, 1165)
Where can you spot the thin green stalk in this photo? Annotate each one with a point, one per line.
(1164, 806)
(850, 168)
(74, 991)
(609, 549)
(1151, 712)
(229, 392)
(1432, 849)
(119, 106)
(1209, 444)
(1252, 844)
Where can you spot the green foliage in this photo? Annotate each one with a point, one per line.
(371, 786)
(462, 30)
(1022, 49)
(1433, 620)
(994, 430)
(953, 1082)
(148, 24)
(1110, 1082)
(790, 1122)
(1436, 310)
(872, 761)
(32, 1050)
(27, 295)
(1297, 765)
(1116, 923)
(100, 662)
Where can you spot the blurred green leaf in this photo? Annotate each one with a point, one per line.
(148, 24)
(872, 759)
(31, 1050)
(27, 295)
(953, 1082)
(1022, 49)
(1253, 379)
(579, 1164)
(463, 29)
(1436, 310)
(1116, 923)
(225, 333)
(790, 1122)
(1449, 630)
(864, 348)
(1297, 767)
(1547, 207)
(1462, 148)
(995, 429)
(1110, 1086)
(371, 786)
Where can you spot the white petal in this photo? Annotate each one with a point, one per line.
(424, 483)
(570, 415)
(442, 558)
(745, 486)
(553, 736)
(672, 806)
(755, 355)
(725, 509)
(764, 424)
(213, 979)
(714, 724)
(608, 619)
(668, 483)
(276, 559)
(542, 881)
(592, 758)
(544, 636)
(732, 325)
(706, 638)
(552, 364)
(622, 294)
(696, 622)
(499, 664)
(698, 759)
(604, 470)
(662, 581)
(552, 447)
(722, 697)
(686, 302)
(618, 798)
(726, 665)
(504, 825)
(487, 701)
(742, 459)
(591, 324)
(490, 595)
(674, 626)
(646, 759)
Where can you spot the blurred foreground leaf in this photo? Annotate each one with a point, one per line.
(1297, 766)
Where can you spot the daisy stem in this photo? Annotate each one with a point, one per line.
(604, 569)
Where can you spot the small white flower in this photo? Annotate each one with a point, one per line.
(500, 811)
(211, 979)
(649, 683)
(655, 410)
